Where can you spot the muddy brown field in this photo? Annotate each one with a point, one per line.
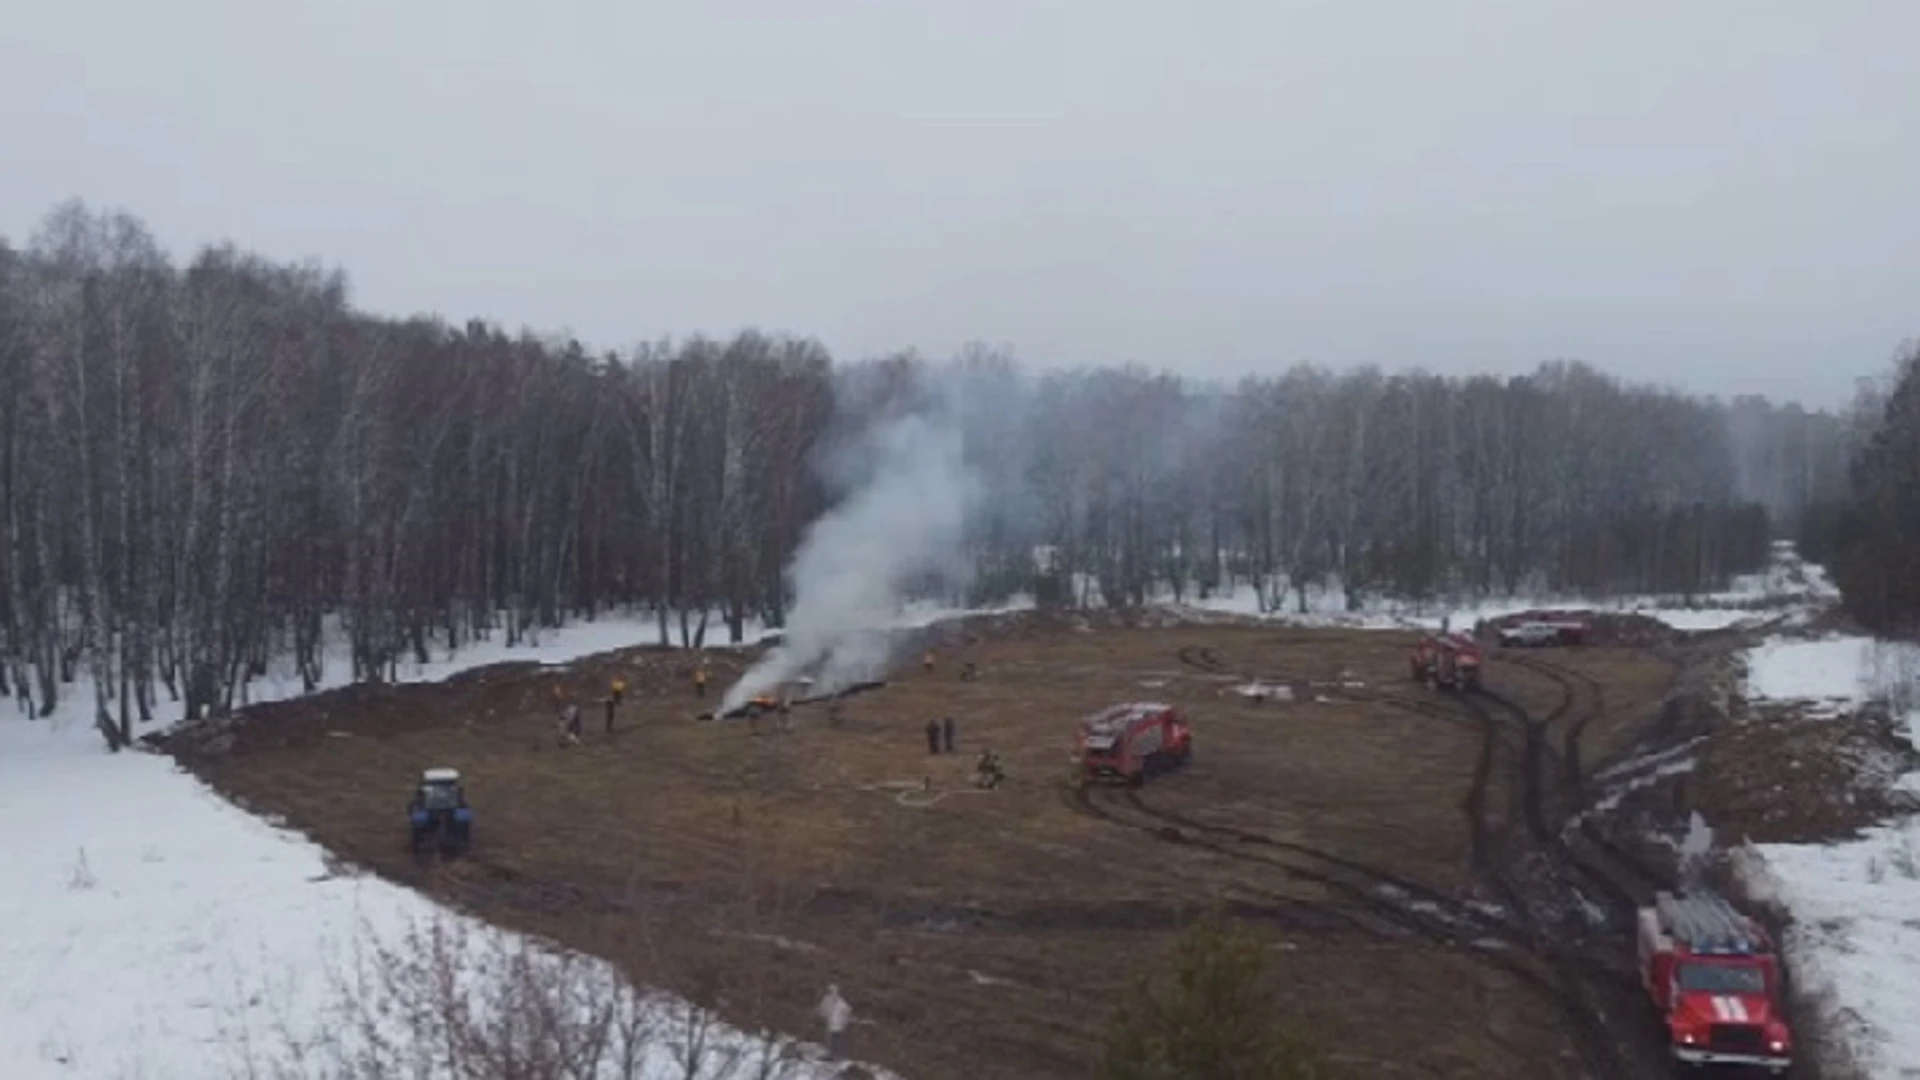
(1396, 841)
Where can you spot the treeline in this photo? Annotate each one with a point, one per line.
(1412, 486)
(206, 466)
(1869, 536)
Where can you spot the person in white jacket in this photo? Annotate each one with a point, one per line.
(835, 1013)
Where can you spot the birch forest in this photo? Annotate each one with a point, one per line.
(1869, 533)
(210, 465)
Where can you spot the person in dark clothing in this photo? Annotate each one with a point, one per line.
(933, 737)
(947, 732)
(611, 702)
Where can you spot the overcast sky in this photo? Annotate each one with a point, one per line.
(1716, 193)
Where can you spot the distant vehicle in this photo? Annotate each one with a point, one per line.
(1449, 661)
(1529, 634)
(439, 814)
(1133, 742)
(1537, 628)
(1712, 973)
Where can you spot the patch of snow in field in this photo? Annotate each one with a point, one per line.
(1855, 941)
(1618, 790)
(1835, 673)
(920, 614)
(1698, 620)
(1830, 670)
(1651, 759)
(1754, 599)
(1265, 692)
(154, 929)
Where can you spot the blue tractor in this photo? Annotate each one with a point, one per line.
(439, 814)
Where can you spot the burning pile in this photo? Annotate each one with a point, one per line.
(903, 525)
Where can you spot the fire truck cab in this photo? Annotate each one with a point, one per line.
(1712, 973)
(1447, 660)
(1132, 742)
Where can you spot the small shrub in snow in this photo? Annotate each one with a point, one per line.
(449, 1000)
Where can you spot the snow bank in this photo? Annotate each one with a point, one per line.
(1752, 598)
(1327, 608)
(155, 930)
(1855, 943)
(1831, 671)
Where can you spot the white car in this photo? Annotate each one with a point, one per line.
(1532, 633)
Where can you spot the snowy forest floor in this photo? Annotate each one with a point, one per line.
(1402, 844)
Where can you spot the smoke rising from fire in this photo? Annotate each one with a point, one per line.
(903, 527)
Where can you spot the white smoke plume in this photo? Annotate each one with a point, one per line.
(904, 526)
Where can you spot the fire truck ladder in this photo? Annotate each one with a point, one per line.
(1707, 924)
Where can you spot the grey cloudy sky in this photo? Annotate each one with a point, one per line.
(1716, 193)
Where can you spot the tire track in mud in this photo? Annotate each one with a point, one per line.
(1203, 658)
(1573, 686)
(1444, 922)
(1574, 982)
(1480, 841)
(1484, 842)
(1563, 983)
(1371, 880)
(1597, 979)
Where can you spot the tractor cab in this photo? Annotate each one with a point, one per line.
(439, 814)
(439, 791)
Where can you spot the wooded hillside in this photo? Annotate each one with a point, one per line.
(1869, 535)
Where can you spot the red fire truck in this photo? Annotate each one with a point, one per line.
(1712, 973)
(1133, 742)
(1448, 660)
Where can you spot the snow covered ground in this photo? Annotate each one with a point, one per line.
(1855, 942)
(1752, 599)
(154, 930)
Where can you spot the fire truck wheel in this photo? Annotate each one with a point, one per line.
(1136, 778)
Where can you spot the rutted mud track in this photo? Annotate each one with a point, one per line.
(1544, 932)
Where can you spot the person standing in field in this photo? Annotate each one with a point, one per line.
(700, 679)
(615, 692)
(835, 1014)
